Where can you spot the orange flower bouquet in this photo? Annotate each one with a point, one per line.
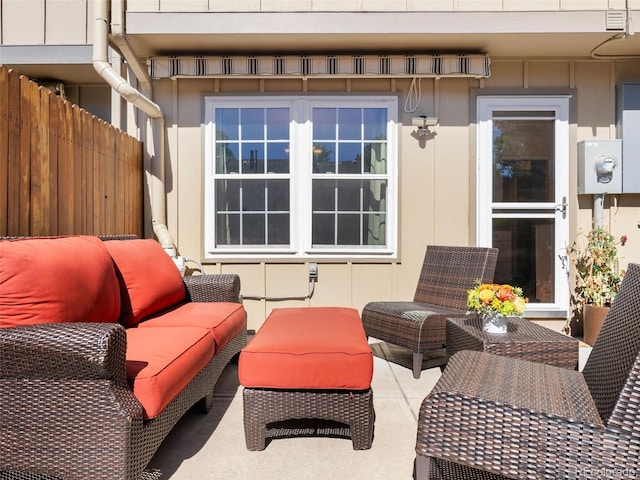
(494, 302)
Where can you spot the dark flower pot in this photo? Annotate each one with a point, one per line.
(593, 319)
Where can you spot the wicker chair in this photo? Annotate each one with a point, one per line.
(447, 274)
(499, 417)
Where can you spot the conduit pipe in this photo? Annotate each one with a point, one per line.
(156, 178)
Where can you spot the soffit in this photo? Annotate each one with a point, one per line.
(499, 34)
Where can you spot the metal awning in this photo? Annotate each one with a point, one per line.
(302, 66)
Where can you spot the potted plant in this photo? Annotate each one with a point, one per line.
(494, 303)
(594, 257)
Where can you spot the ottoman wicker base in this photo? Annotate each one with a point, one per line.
(263, 407)
(304, 366)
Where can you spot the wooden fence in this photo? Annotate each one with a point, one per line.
(63, 170)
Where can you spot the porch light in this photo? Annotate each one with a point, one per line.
(423, 123)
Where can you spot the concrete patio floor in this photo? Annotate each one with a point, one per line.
(212, 446)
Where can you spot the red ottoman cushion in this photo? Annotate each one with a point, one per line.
(308, 348)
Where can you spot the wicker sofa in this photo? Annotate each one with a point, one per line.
(104, 347)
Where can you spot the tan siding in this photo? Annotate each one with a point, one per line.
(594, 105)
(371, 5)
(66, 22)
(143, 5)
(524, 5)
(548, 74)
(437, 178)
(23, 22)
(452, 182)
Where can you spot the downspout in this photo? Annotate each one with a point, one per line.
(156, 178)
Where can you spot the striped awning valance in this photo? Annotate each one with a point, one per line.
(468, 65)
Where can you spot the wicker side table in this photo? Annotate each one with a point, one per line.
(524, 339)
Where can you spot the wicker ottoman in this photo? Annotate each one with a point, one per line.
(311, 364)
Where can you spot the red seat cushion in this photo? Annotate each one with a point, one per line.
(162, 361)
(223, 319)
(308, 348)
(150, 281)
(57, 279)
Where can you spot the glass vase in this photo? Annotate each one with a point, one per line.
(494, 322)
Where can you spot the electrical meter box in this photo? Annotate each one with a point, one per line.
(599, 166)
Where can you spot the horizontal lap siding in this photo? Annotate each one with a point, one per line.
(63, 170)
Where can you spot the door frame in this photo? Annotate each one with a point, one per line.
(561, 105)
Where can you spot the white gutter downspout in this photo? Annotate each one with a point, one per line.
(156, 179)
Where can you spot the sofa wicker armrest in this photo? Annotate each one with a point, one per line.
(489, 412)
(213, 288)
(59, 351)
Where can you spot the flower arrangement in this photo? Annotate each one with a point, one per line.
(492, 298)
(595, 259)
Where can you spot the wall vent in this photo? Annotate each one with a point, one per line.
(352, 66)
(616, 20)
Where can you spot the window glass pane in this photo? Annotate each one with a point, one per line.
(253, 229)
(349, 123)
(227, 229)
(323, 229)
(323, 195)
(358, 207)
(375, 196)
(375, 158)
(278, 124)
(278, 195)
(523, 161)
(349, 195)
(278, 229)
(252, 123)
(349, 158)
(227, 155)
(374, 229)
(253, 193)
(278, 157)
(227, 196)
(375, 123)
(526, 255)
(252, 158)
(324, 123)
(349, 229)
(324, 160)
(227, 123)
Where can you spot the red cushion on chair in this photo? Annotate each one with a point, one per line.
(162, 361)
(223, 319)
(57, 279)
(308, 348)
(150, 281)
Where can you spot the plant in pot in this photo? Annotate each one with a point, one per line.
(594, 256)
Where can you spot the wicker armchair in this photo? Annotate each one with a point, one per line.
(447, 274)
(499, 417)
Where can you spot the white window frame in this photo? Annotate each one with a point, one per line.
(300, 174)
(560, 104)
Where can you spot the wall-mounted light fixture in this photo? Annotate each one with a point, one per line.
(423, 123)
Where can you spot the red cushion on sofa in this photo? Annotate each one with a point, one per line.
(57, 279)
(162, 361)
(223, 319)
(150, 281)
(308, 348)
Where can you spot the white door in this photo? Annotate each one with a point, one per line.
(523, 186)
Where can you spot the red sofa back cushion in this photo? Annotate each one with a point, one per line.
(149, 280)
(57, 279)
